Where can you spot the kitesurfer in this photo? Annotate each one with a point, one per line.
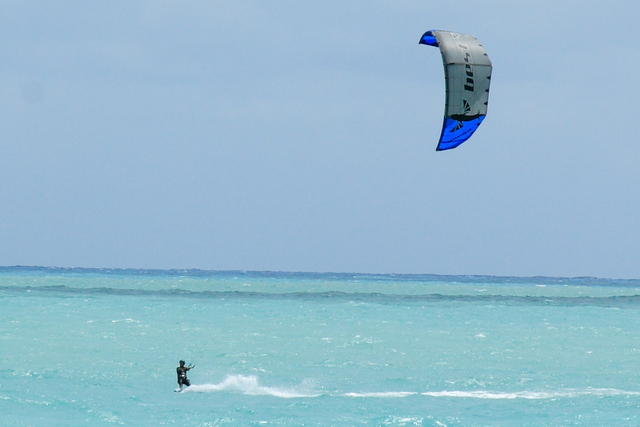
(182, 374)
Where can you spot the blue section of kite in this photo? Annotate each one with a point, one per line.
(429, 39)
(455, 132)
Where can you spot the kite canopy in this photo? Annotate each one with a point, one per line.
(467, 72)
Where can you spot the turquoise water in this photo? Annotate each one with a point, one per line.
(94, 347)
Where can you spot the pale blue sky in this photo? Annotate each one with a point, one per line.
(291, 135)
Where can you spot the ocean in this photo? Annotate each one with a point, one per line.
(100, 347)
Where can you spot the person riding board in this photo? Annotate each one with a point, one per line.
(182, 374)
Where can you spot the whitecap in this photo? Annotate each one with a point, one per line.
(382, 394)
(128, 320)
(567, 393)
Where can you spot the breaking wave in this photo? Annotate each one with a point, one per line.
(336, 296)
(389, 277)
(484, 394)
(568, 393)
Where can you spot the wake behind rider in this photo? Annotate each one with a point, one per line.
(182, 374)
